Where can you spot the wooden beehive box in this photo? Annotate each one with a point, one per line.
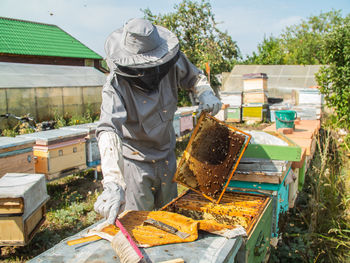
(58, 152)
(16, 155)
(22, 207)
(254, 97)
(234, 114)
(186, 119)
(93, 157)
(278, 192)
(252, 211)
(255, 112)
(255, 82)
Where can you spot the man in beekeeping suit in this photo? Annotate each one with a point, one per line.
(136, 136)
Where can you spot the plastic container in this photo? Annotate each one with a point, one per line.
(285, 118)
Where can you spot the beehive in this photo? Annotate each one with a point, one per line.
(234, 114)
(58, 152)
(252, 211)
(16, 155)
(22, 207)
(93, 157)
(211, 157)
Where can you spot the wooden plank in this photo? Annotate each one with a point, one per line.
(261, 177)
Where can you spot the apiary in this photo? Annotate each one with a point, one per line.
(16, 155)
(58, 152)
(22, 207)
(255, 112)
(211, 157)
(251, 211)
(93, 157)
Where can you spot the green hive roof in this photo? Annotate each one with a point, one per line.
(31, 38)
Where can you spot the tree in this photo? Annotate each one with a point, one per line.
(334, 79)
(269, 53)
(195, 26)
(298, 44)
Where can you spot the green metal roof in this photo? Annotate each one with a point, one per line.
(31, 38)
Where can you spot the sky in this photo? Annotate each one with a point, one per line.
(246, 21)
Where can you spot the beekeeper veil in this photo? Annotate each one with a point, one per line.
(142, 53)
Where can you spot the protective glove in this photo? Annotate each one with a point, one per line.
(110, 203)
(209, 102)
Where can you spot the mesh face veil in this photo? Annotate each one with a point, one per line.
(146, 79)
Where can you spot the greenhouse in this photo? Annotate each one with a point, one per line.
(45, 90)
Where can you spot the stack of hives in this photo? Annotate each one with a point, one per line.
(207, 165)
(255, 107)
(22, 207)
(267, 168)
(305, 136)
(308, 103)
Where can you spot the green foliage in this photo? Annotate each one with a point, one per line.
(334, 79)
(9, 133)
(269, 53)
(299, 44)
(195, 26)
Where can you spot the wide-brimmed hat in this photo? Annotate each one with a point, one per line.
(141, 44)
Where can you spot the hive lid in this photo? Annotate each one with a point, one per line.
(89, 128)
(54, 136)
(211, 157)
(14, 143)
(255, 76)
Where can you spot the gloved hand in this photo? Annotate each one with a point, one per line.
(209, 102)
(110, 203)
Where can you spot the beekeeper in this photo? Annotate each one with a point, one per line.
(136, 137)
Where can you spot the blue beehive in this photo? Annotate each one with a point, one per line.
(279, 193)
